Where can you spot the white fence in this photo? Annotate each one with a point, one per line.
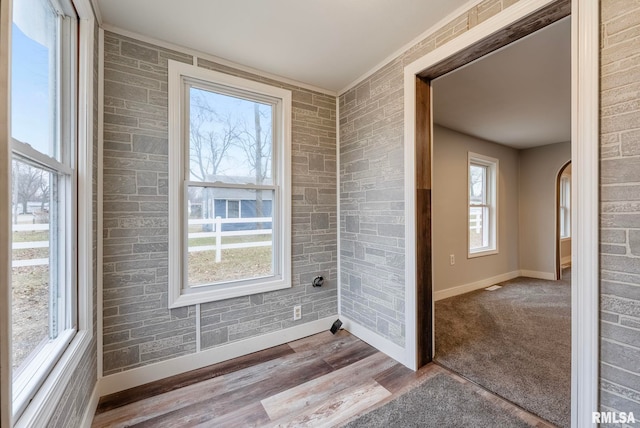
(27, 227)
(217, 233)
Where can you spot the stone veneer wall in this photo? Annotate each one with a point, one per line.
(620, 206)
(372, 220)
(139, 329)
(372, 200)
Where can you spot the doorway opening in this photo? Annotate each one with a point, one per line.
(513, 24)
(501, 131)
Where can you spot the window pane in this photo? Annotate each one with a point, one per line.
(233, 209)
(478, 228)
(34, 76)
(477, 184)
(229, 248)
(230, 139)
(34, 316)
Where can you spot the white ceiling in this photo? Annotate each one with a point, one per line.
(519, 96)
(327, 44)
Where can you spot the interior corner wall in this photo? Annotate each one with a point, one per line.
(449, 215)
(372, 223)
(539, 168)
(138, 327)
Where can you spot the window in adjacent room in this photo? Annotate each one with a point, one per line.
(565, 206)
(43, 140)
(229, 186)
(482, 221)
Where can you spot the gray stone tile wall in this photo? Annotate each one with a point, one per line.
(138, 326)
(372, 185)
(620, 206)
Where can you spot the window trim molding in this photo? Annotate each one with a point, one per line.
(176, 295)
(493, 165)
(48, 397)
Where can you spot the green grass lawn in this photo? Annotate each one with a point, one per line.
(236, 264)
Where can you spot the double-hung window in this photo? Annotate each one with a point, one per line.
(229, 186)
(483, 197)
(43, 205)
(565, 206)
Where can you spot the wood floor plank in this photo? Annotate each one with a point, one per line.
(348, 403)
(396, 377)
(317, 341)
(174, 400)
(132, 395)
(245, 417)
(221, 404)
(323, 389)
(350, 354)
(319, 381)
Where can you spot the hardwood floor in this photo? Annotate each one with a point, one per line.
(321, 380)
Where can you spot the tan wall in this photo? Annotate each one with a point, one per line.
(450, 221)
(539, 169)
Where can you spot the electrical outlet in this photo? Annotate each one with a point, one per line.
(297, 312)
(452, 259)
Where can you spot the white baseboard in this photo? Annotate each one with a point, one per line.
(89, 413)
(139, 376)
(538, 275)
(396, 352)
(483, 283)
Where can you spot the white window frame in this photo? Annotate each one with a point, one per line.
(63, 169)
(180, 294)
(44, 401)
(565, 207)
(491, 189)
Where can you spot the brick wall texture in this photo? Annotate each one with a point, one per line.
(372, 185)
(620, 206)
(139, 328)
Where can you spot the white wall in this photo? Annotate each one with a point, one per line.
(450, 221)
(539, 168)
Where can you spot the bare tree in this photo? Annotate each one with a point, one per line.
(29, 184)
(210, 138)
(256, 145)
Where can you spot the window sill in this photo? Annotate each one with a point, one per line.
(46, 401)
(481, 253)
(225, 292)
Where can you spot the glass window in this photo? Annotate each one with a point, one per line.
(234, 136)
(43, 118)
(565, 206)
(482, 205)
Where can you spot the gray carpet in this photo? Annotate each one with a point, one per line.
(515, 342)
(440, 402)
